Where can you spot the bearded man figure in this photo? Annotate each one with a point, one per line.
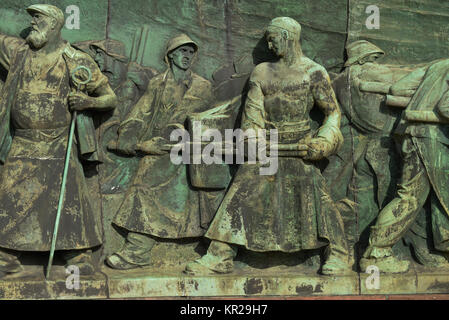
(35, 118)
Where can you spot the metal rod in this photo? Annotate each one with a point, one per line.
(66, 168)
(61, 195)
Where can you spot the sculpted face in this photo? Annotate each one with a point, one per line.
(277, 41)
(182, 57)
(41, 28)
(371, 58)
(111, 68)
(100, 59)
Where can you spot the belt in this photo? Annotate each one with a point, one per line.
(289, 127)
(46, 135)
(290, 131)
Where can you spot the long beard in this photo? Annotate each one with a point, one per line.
(37, 39)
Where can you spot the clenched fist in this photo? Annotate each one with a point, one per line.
(319, 148)
(80, 101)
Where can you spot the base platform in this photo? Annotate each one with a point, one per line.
(244, 282)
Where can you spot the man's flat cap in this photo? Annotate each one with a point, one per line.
(48, 10)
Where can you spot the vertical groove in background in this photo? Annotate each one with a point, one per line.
(356, 250)
(102, 250)
(108, 19)
(348, 22)
(228, 21)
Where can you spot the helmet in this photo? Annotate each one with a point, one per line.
(176, 42)
(358, 50)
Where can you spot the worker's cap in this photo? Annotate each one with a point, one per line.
(48, 10)
(285, 23)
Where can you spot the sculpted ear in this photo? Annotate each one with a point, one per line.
(53, 24)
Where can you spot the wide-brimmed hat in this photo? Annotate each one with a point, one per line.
(360, 49)
(176, 42)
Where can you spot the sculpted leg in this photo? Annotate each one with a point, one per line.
(397, 217)
(440, 227)
(135, 253)
(422, 239)
(426, 257)
(339, 259)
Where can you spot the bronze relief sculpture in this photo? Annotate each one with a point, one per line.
(34, 136)
(369, 163)
(129, 81)
(347, 187)
(290, 210)
(160, 203)
(423, 138)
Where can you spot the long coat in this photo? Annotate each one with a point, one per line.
(432, 141)
(35, 121)
(161, 201)
(290, 210)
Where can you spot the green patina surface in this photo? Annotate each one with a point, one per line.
(225, 30)
(230, 34)
(230, 29)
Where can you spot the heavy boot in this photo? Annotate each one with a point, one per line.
(219, 259)
(134, 254)
(9, 263)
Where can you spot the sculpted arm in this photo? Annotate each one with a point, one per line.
(254, 111)
(100, 97)
(402, 91)
(328, 138)
(406, 87)
(7, 47)
(376, 79)
(132, 127)
(104, 98)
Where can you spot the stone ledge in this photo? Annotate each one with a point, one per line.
(231, 286)
(284, 282)
(31, 285)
